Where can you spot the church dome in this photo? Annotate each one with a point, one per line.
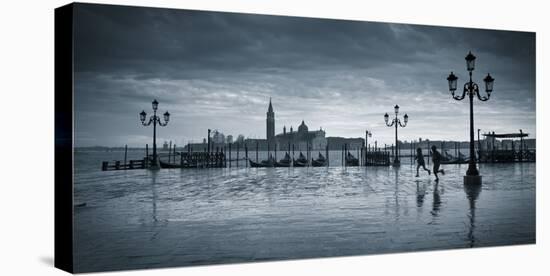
(302, 127)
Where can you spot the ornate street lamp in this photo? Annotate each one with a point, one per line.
(367, 134)
(397, 123)
(154, 120)
(471, 89)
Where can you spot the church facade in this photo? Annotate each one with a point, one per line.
(301, 139)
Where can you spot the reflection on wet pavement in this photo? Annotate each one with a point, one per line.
(142, 219)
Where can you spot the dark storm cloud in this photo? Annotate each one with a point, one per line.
(338, 74)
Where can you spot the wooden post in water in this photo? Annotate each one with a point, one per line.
(125, 154)
(246, 154)
(238, 146)
(174, 154)
(268, 150)
(147, 155)
(358, 157)
(367, 155)
(224, 159)
(411, 155)
(288, 147)
(309, 149)
(456, 151)
(362, 156)
(275, 150)
(345, 154)
(342, 155)
(169, 151)
(429, 153)
(229, 155)
(326, 154)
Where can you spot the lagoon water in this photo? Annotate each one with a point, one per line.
(177, 217)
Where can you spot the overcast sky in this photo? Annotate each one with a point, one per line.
(218, 70)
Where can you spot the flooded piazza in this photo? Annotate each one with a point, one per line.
(179, 217)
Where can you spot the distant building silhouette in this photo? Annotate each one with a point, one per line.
(315, 139)
(270, 124)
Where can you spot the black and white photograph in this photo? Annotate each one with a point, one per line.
(210, 137)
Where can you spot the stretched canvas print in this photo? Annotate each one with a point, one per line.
(188, 137)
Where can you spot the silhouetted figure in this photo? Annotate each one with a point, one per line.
(420, 161)
(436, 158)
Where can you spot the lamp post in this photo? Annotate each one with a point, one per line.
(471, 89)
(154, 120)
(367, 135)
(397, 123)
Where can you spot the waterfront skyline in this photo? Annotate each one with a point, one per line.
(218, 71)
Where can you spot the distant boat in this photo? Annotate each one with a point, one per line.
(285, 162)
(270, 162)
(321, 161)
(449, 159)
(301, 161)
(165, 165)
(351, 160)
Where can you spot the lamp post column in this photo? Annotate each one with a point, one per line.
(396, 159)
(155, 137)
(472, 167)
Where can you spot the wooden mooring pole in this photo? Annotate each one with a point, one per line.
(230, 155)
(238, 154)
(246, 154)
(326, 154)
(125, 154)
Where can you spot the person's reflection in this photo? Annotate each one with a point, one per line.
(154, 190)
(420, 193)
(437, 200)
(472, 193)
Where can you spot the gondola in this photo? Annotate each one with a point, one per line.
(285, 162)
(321, 161)
(270, 162)
(351, 160)
(449, 159)
(165, 165)
(301, 161)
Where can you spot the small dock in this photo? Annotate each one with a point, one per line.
(121, 165)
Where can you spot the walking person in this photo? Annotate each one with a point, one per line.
(436, 158)
(420, 161)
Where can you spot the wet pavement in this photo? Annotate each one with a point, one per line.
(147, 219)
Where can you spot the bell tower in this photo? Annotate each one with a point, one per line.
(270, 124)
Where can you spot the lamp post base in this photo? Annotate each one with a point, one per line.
(396, 163)
(472, 180)
(155, 164)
